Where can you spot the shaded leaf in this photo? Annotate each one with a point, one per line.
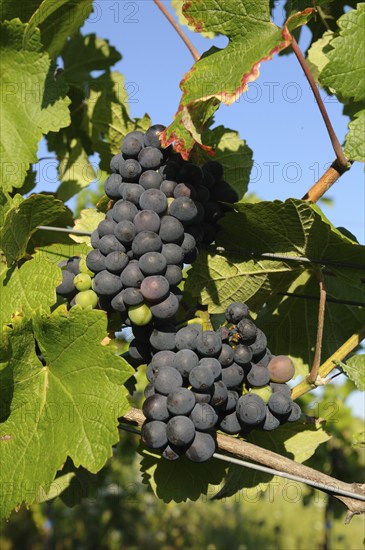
(355, 143)
(89, 221)
(355, 370)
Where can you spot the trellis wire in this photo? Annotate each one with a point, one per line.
(267, 470)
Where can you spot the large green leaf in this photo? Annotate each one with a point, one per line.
(297, 441)
(68, 406)
(222, 75)
(75, 171)
(34, 101)
(181, 479)
(355, 142)
(22, 221)
(344, 71)
(27, 288)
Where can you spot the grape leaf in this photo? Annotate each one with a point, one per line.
(89, 221)
(34, 101)
(222, 75)
(177, 5)
(297, 441)
(55, 253)
(317, 57)
(84, 54)
(233, 154)
(60, 484)
(355, 144)
(26, 288)
(21, 222)
(355, 370)
(180, 480)
(67, 407)
(75, 172)
(345, 69)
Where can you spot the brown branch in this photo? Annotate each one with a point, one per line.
(194, 52)
(312, 377)
(341, 158)
(330, 364)
(249, 451)
(330, 176)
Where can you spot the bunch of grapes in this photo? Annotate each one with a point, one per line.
(77, 280)
(162, 209)
(201, 381)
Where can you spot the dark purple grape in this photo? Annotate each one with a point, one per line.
(163, 338)
(150, 158)
(259, 345)
(118, 304)
(154, 434)
(251, 409)
(137, 134)
(151, 138)
(203, 416)
(115, 262)
(208, 344)
(184, 361)
(180, 402)
(281, 388)
(115, 166)
(155, 288)
(155, 408)
(202, 448)
(190, 173)
(184, 209)
(131, 147)
(146, 241)
(167, 380)
(95, 261)
(184, 190)
(152, 263)
(180, 431)
(153, 199)
(132, 276)
(236, 311)
(130, 170)
(149, 390)
(171, 230)
(167, 308)
(174, 274)
(147, 220)
(164, 358)
(258, 376)
(242, 354)
(107, 284)
(132, 192)
(173, 253)
(112, 183)
(132, 297)
(247, 330)
(279, 404)
(150, 180)
(215, 169)
(109, 243)
(231, 403)
(167, 187)
(124, 210)
(271, 422)
(66, 287)
(226, 355)
(187, 336)
(213, 364)
(106, 227)
(201, 378)
(202, 194)
(230, 424)
(295, 413)
(233, 375)
(140, 353)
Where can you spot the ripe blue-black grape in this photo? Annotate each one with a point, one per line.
(132, 192)
(149, 390)
(295, 413)
(106, 227)
(242, 354)
(130, 170)
(155, 408)
(215, 169)
(226, 355)
(233, 375)
(150, 180)
(164, 358)
(132, 296)
(247, 330)
(208, 344)
(231, 403)
(118, 304)
(201, 378)
(180, 402)
(115, 165)
(115, 262)
(131, 146)
(151, 138)
(171, 230)
(163, 338)
(111, 185)
(184, 190)
(124, 210)
(202, 194)
(251, 410)
(203, 416)
(186, 337)
(73, 265)
(202, 448)
(263, 358)
(184, 209)
(155, 288)
(109, 243)
(203, 396)
(167, 308)
(225, 193)
(167, 380)
(190, 173)
(271, 422)
(107, 284)
(146, 241)
(137, 134)
(173, 274)
(141, 352)
(66, 287)
(184, 361)
(150, 158)
(167, 187)
(180, 431)
(154, 434)
(258, 376)
(132, 275)
(173, 253)
(147, 220)
(259, 345)
(153, 199)
(230, 424)
(279, 404)
(280, 388)
(213, 364)
(152, 263)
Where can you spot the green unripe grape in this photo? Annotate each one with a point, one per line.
(140, 315)
(82, 281)
(86, 298)
(264, 392)
(84, 269)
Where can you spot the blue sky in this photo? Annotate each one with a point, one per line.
(278, 116)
